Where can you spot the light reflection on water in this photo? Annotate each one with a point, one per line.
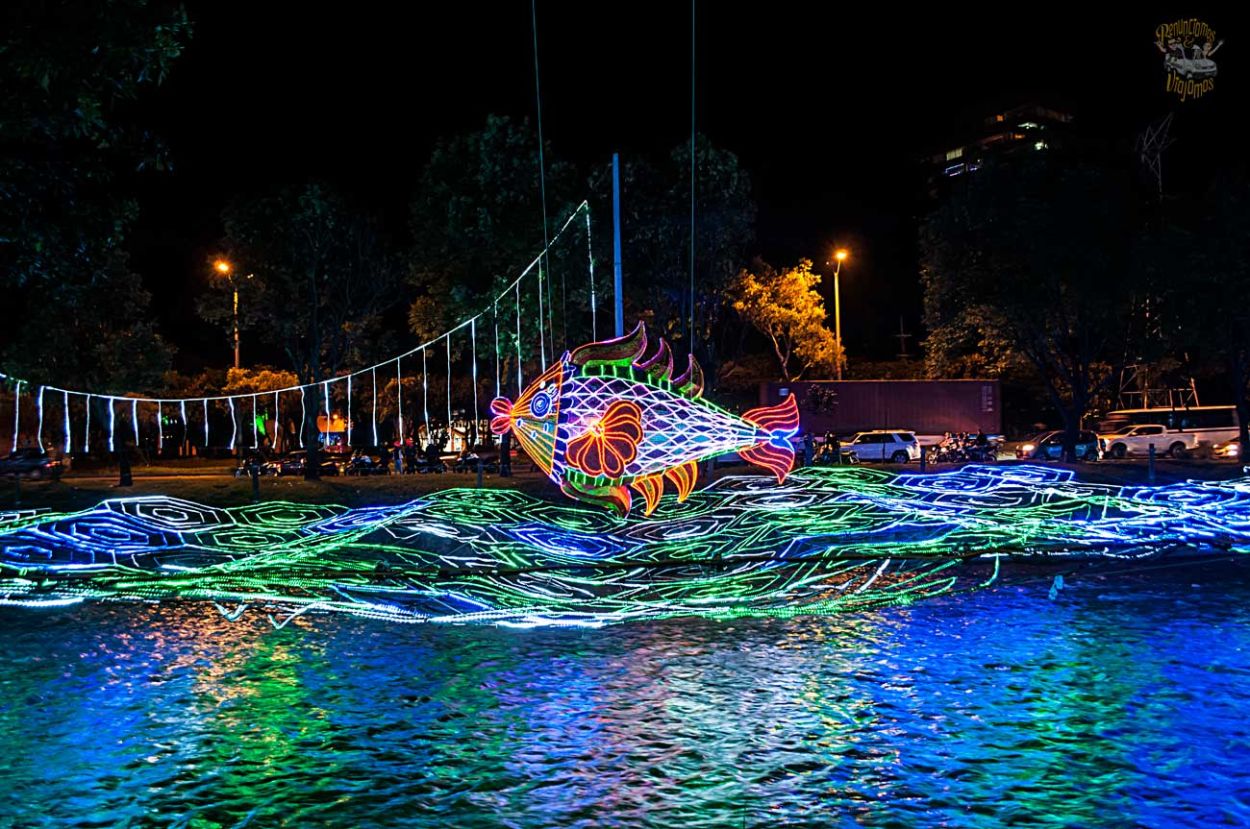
(1121, 703)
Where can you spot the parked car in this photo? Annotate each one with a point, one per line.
(1136, 440)
(886, 445)
(1048, 446)
(32, 463)
(292, 463)
(1229, 449)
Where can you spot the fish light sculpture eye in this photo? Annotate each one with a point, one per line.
(540, 405)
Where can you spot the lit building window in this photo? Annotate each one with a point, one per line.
(1040, 145)
(951, 155)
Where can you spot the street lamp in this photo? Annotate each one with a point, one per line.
(839, 256)
(226, 269)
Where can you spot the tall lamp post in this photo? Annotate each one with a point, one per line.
(839, 256)
(224, 268)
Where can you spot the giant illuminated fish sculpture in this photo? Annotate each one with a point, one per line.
(603, 420)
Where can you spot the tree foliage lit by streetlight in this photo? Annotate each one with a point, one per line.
(786, 307)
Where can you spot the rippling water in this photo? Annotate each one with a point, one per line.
(1121, 702)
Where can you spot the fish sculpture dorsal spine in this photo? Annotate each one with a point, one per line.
(607, 420)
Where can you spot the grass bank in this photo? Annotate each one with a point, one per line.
(212, 483)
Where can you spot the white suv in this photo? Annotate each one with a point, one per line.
(886, 445)
(1136, 440)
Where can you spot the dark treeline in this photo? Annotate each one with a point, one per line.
(1059, 271)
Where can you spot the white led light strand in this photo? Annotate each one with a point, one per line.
(39, 430)
(519, 385)
(425, 394)
(69, 444)
(112, 423)
(375, 406)
(234, 424)
(399, 395)
(134, 420)
(537, 264)
(449, 389)
(303, 416)
(349, 410)
(86, 434)
(473, 334)
(542, 337)
(590, 259)
(17, 413)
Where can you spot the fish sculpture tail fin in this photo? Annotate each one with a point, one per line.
(776, 452)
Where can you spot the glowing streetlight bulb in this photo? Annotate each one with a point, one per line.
(222, 266)
(841, 254)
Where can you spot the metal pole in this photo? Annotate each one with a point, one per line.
(236, 325)
(616, 245)
(837, 316)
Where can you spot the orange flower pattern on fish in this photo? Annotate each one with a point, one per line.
(609, 444)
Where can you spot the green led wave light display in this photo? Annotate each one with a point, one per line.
(825, 541)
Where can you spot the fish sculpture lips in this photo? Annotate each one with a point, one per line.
(604, 421)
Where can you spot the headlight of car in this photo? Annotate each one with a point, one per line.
(1028, 447)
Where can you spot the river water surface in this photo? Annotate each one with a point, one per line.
(1122, 701)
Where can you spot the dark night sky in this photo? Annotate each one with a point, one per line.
(828, 107)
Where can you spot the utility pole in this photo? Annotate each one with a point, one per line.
(224, 268)
(235, 288)
(839, 256)
(902, 336)
(616, 245)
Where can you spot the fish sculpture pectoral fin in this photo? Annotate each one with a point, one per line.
(616, 498)
(684, 478)
(650, 487)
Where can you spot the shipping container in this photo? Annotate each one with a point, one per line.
(927, 407)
